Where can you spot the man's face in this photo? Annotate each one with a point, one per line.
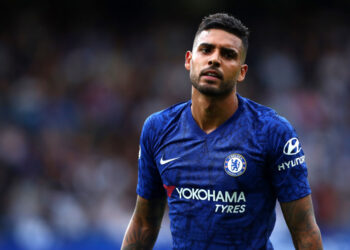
(216, 62)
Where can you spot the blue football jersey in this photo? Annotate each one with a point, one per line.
(222, 187)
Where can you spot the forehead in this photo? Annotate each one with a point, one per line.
(219, 38)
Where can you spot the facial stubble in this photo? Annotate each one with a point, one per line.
(224, 89)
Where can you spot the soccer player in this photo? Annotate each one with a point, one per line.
(220, 160)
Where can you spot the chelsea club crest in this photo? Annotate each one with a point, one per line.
(235, 165)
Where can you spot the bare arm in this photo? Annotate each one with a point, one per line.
(300, 219)
(145, 223)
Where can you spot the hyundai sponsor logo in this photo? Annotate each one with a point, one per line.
(292, 147)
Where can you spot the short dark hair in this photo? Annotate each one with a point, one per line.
(227, 23)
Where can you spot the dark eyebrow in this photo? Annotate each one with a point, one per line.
(228, 50)
(223, 49)
(208, 45)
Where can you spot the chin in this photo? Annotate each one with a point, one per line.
(213, 88)
(213, 91)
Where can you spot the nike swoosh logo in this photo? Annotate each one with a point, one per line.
(162, 162)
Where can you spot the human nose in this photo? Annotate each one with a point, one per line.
(214, 60)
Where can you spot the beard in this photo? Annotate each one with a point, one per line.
(224, 89)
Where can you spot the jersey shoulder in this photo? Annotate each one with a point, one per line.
(164, 118)
(272, 130)
(162, 122)
(266, 117)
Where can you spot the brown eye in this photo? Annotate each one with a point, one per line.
(205, 50)
(229, 54)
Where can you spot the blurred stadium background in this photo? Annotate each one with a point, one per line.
(77, 80)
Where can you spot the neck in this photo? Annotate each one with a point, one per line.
(211, 112)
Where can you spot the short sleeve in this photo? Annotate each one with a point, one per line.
(287, 165)
(149, 183)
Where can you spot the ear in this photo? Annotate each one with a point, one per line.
(188, 59)
(244, 69)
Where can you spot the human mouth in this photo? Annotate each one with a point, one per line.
(211, 74)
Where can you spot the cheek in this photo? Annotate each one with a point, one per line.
(228, 74)
(234, 72)
(193, 74)
(193, 66)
